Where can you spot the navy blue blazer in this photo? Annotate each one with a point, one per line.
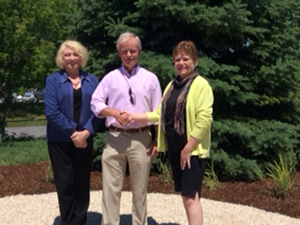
(59, 110)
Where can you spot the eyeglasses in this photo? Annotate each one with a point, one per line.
(131, 97)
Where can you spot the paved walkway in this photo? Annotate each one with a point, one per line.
(36, 131)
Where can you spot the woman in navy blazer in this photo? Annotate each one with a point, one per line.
(70, 126)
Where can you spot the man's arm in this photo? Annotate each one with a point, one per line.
(121, 116)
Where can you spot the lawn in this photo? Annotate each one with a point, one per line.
(25, 114)
(23, 152)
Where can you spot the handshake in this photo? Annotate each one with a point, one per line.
(125, 117)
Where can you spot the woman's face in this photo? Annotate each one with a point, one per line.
(184, 64)
(71, 59)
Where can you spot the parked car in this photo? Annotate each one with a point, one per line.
(29, 97)
(18, 98)
(39, 95)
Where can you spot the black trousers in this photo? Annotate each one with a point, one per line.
(71, 168)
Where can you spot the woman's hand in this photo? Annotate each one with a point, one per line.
(79, 138)
(185, 158)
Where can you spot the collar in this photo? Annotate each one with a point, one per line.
(133, 72)
(64, 77)
(178, 82)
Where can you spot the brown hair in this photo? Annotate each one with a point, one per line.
(188, 47)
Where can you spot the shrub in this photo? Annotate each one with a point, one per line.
(280, 171)
(241, 147)
(98, 150)
(211, 180)
(49, 173)
(164, 168)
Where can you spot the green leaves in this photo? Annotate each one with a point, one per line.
(250, 53)
(161, 64)
(30, 34)
(115, 28)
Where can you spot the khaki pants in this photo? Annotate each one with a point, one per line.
(120, 148)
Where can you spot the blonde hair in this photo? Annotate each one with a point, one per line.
(76, 47)
(188, 47)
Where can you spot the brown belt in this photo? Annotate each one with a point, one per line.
(129, 131)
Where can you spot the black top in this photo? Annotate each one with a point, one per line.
(170, 112)
(77, 99)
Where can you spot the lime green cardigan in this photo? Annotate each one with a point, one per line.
(198, 117)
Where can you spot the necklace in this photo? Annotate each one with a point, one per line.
(75, 84)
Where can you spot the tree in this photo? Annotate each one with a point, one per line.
(30, 32)
(250, 55)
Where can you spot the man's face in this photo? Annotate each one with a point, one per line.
(129, 53)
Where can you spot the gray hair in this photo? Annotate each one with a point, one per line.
(126, 36)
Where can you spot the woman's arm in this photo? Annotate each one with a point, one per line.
(140, 117)
(52, 111)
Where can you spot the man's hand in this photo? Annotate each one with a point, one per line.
(152, 149)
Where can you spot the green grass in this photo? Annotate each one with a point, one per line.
(280, 171)
(25, 122)
(165, 170)
(25, 114)
(23, 152)
(210, 179)
(24, 109)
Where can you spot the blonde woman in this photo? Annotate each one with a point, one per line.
(70, 126)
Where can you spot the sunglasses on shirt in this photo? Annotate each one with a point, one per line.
(131, 96)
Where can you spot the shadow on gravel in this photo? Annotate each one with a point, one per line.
(94, 218)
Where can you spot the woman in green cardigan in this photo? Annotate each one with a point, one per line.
(184, 119)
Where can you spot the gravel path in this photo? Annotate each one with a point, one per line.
(162, 209)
